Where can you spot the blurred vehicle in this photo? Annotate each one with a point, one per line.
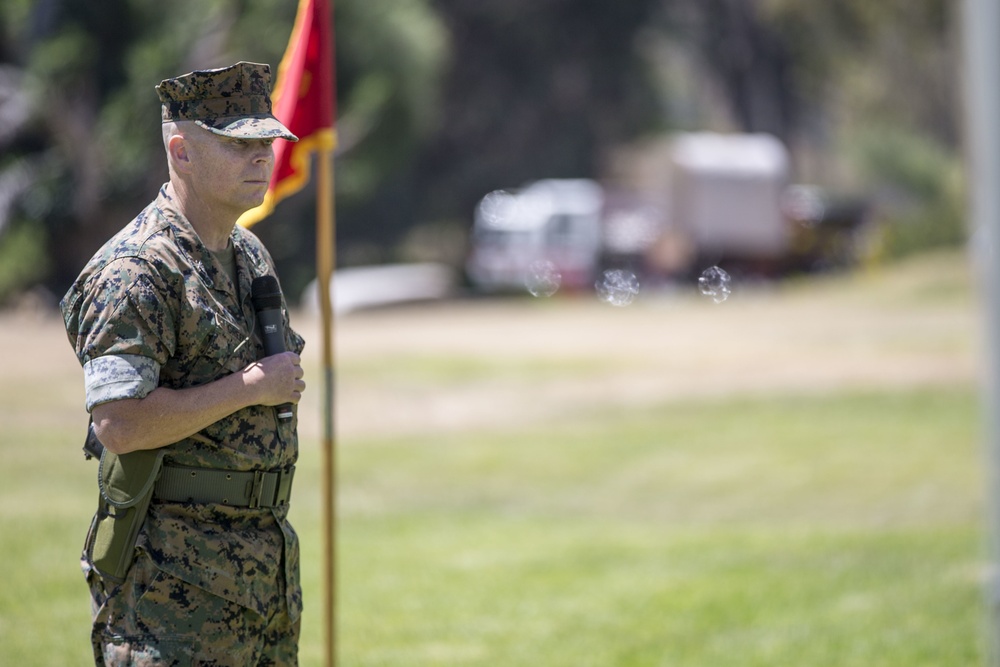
(708, 199)
(558, 221)
(731, 199)
(725, 196)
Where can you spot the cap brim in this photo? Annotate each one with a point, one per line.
(264, 126)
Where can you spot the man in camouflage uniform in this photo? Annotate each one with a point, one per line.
(162, 321)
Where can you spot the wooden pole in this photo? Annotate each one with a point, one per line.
(326, 240)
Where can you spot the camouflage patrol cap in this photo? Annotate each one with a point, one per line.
(233, 101)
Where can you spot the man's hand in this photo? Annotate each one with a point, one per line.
(278, 378)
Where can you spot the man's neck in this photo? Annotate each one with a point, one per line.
(212, 227)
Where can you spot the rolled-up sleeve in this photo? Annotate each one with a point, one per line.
(116, 376)
(121, 326)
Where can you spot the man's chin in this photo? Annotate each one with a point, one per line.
(257, 199)
(250, 205)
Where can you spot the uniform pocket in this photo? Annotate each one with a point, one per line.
(143, 633)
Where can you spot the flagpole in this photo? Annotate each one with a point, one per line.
(326, 240)
(304, 99)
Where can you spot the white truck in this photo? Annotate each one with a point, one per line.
(556, 220)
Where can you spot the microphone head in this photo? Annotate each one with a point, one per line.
(265, 293)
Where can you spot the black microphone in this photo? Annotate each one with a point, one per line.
(266, 297)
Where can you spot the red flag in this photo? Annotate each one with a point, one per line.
(303, 99)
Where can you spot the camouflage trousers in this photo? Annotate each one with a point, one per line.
(156, 620)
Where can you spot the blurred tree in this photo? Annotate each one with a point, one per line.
(864, 94)
(750, 58)
(534, 89)
(798, 69)
(391, 56)
(85, 125)
(441, 101)
(883, 80)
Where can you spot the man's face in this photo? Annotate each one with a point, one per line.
(229, 172)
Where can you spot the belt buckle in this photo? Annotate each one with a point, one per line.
(257, 488)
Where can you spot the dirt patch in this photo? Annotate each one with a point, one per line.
(533, 360)
(664, 349)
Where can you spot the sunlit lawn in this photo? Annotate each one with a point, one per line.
(811, 531)
(823, 531)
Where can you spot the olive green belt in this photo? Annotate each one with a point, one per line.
(251, 488)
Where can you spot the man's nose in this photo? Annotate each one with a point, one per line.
(264, 153)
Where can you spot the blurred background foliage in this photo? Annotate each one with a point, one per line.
(441, 101)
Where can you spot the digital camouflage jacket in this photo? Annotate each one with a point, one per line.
(152, 308)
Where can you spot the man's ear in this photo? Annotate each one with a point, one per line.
(180, 154)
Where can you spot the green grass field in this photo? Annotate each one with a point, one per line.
(831, 530)
(841, 526)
